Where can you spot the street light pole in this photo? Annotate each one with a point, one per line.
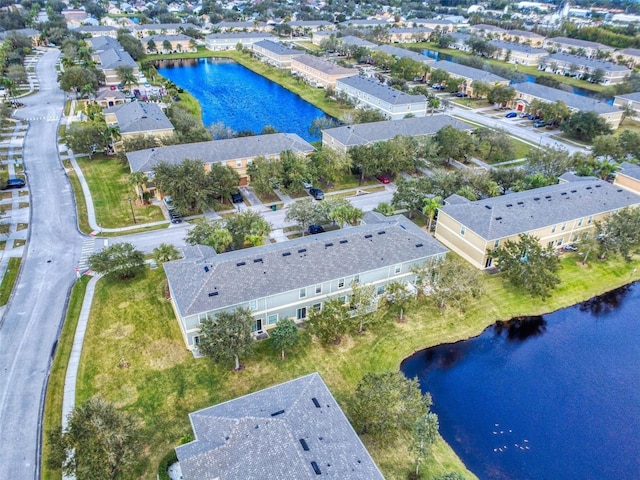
(132, 214)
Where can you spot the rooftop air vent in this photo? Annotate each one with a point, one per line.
(305, 447)
(498, 218)
(563, 193)
(488, 207)
(240, 264)
(548, 197)
(316, 468)
(418, 245)
(302, 250)
(257, 260)
(588, 188)
(286, 254)
(206, 269)
(381, 232)
(368, 236)
(344, 241)
(315, 402)
(213, 294)
(509, 204)
(520, 203)
(536, 198)
(330, 244)
(279, 412)
(574, 191)
(598, 186)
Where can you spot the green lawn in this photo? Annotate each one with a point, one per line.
(108, 179)
(55, 387)
(9, 279)
(134, 355)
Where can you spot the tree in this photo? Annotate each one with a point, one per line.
(346, 213)
(165, 253)
(17, 74)
(99, 442)
(246, 224)
(330, 322)
(73, 79)
(284, 335)
(118, 261)
(304, 213)
(126, 76)
(397, 294)
(619, 232)
(188, 184)
(528, 265)
(430, 206)
(481, 89)
(410, 193)
(506, 178)
(227, 336)
(501, 94)
(451, 281)
(224, 181)
(363, 303)
(85, 137)
(137, 180)
(585, 126)
(454, 143)
(627, 112)
(166, 46)
(151, 46)
(387, 403)
(210, 233)
(550, 162)
(328, 165)
(424, 435)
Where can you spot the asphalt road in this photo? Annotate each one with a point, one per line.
(31, 322)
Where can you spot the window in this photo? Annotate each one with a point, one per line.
(580, 222)
(397, 269)
(589, 220)
(303, 292)
(196, 340)
(380, 290)
(341, 283)
(272, 319)
(551, 243)
(553, 229)
(343, 298)
(253, 305)
(496, 244)
(239, 163)
(559, 241)
(356, 279)
(564, 225)
(462, 230)
(249, 162)
(318, 289)
(301, 313)
(317, 307)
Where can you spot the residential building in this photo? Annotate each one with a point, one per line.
(319, 72)
(169, 44)
(109, 56)
(392, 103)
(345, 137)
(230, 40)
(628, 177)
(109, 98)
(139, 119)
(518, 53)
(290, 279)
(524, 36)
(32, 33)
(148, 29)
(104, 42)
(468, 75)
(98, 30)
(236, 153)
(460, 41)
(629, 57)
(409, 34)
(527, 92)
(275, 53)
(575, 46)
(556, 215)
(404, 53)
(248, 26)
(631, 99)
(354, 41)
(366, 23)
(305, 27)
(487, 31)
(318, 37)
(445, 26)
(584, 68)
(306, 432)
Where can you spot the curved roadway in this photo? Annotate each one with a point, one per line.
(30, 326)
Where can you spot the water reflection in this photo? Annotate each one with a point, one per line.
(605, 304)
(520, 329)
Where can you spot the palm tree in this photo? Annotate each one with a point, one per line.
(126, 76)
(151, 46)
(137, 180)
(429, 208)
(165, 252)
(166, 46)
(179, 47)
(193, 45)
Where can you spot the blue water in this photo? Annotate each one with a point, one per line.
(553, 397)
(239, 98)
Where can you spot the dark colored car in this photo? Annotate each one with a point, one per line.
(569, 248)
(461, 95)
(511, 115)
(539, 123)
(383, 178)
(175, 217)
(313, 229)
(15, 183)
(316, 193)
(236, 197)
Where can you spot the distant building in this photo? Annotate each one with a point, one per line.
(392, 103)
(631, 99)
(109, 56)
(556, 215)
(307, 434)
(371, 23)
(110, 98)
(469, 75)
(345, 137)
(575, 46)
(445, 26)
(518, 53)
(525, 37)
(236, 153)
(409, 34)
(139, 119)
(488, 31)
(355, 41)
(250, 26)
(275, 53)
(404, 53)
(629, 56)
(148, 29)
(584, 68)
(628, 177)
(98, 30)
(169, 44)
(319, 72)
(290, 279)
(527, 92)
(230, 40)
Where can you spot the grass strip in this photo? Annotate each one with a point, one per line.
(9, 279)
(55, 387)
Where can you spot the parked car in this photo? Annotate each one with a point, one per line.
(511, 115)
(568, 247)
(15, 183)
(316, 193)
(236, 197)
(175, 218)
(307, 185)
(313, 229)
(168, 202)
(461, 95)
(533, 117)
(539, 123)
(383, 178)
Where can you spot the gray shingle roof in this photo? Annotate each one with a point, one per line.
(630, 170)
(112, 59)
(367, 133)
(240, 439)
(577, 43)
(365, 23)
(240, 25)
(309, 23)
(379, 90)
(401, 30)
(517, 47)
(468, 72)
(311, 261)
(163, 26)
(277, 48)
(324, 66)
(100, 44)
(357, 41)
(634, 97)
(586, 62)
(489, 28)
(138, 117)
(218, 150)
(523, 33)
(158, 39)
(634, 52)
(404, 53)
(239, 35)
(533, 209)
(572, 100)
